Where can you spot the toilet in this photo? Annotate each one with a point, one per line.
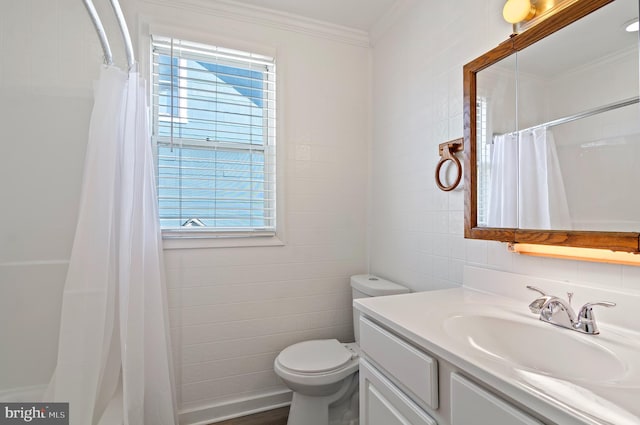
(323, 374)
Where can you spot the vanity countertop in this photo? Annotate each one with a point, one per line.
(566, 376)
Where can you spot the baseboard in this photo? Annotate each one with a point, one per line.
(234, 409)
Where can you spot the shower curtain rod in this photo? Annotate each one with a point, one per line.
(124, 30)
(102, 35)
(580, 115)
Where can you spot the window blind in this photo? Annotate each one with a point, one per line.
(483, 149)
(214, 131)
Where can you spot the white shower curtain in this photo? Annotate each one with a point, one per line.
(114, 363)
(542, 202)
(527, 189)
(502, 210)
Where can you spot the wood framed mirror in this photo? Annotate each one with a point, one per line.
(530, 92)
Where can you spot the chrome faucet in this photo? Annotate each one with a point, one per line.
(559, 312)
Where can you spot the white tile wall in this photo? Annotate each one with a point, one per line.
(416, 230)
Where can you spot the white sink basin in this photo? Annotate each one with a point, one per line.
(537, 346)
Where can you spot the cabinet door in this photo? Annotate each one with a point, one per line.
(473, 405)
(382, 403)
(416, 371)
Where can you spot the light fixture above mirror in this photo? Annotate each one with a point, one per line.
(523, 14)
(516, 11)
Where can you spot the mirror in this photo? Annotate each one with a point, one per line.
(552, 132)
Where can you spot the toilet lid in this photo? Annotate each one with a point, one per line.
(315, 356)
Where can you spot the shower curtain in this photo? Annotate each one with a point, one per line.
(114, 363)
(502, 209)
(541, 196)
(527, 189)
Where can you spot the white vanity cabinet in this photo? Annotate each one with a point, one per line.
(382, 403)
(469, 402)
(413, 370)
(398, 382)
(393, 364)
(401, 384)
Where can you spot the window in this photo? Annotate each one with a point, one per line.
(214, 135)
(483, 160)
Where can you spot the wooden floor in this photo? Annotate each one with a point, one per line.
(270, 417)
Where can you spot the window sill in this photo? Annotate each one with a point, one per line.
(180, 239)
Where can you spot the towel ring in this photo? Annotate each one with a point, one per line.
(447, 153)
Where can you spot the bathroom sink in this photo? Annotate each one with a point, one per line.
(537, 346)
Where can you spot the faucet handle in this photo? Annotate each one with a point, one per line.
(533, 288)
(536, 305)
(586, 321)
(585, 311)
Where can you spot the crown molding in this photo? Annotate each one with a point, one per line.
(270, 18)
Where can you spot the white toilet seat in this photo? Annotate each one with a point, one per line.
(317, 362)
(316, 356)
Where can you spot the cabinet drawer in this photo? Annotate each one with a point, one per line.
(472, 405)
(415, 371)
(382, 403)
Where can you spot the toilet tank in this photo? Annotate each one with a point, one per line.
(366, 285)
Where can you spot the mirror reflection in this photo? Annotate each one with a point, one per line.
(558, 129)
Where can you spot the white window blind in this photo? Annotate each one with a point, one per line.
(483, 158)
(214, 130)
